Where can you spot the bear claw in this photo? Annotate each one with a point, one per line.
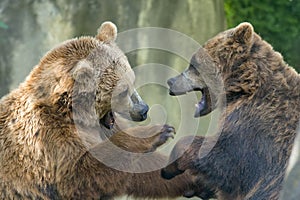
(165, 133)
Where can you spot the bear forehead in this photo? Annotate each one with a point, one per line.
(108, 59)
(220, 39)
(111, 54)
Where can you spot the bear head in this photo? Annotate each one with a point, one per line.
(87, 80)
(227, 65)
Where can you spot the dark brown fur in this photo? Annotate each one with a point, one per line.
(248, 157)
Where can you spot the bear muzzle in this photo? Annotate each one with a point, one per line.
(180, 85)
(139, 112)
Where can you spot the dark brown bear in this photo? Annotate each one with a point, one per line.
(248, 157)
(54, 129)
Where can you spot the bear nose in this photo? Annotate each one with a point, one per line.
(171, 81)
(144, 110)
(139, 112)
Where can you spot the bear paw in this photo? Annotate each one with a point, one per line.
(162, 137)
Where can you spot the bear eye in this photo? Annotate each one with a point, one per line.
(194, 70)
(124, 93)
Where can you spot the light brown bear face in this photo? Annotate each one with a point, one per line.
(113, 80)
(92, 80)
(215, 65)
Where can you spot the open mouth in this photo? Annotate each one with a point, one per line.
(108, 120)
(204, 106)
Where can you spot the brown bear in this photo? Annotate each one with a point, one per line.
(248, 156)
(57, 127)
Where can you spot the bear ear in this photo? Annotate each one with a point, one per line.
(243, 33)
(107, 32)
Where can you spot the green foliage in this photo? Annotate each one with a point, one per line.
(277, 22)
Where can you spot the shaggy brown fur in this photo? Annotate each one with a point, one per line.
(249, 157)
(50, 135)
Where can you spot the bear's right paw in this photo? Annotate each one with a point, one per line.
(162, 137)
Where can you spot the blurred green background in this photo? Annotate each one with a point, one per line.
(277, 22)
(30, 28)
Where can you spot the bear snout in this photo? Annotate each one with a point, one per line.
(139, 112)
(178, 86)
(171, 82)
